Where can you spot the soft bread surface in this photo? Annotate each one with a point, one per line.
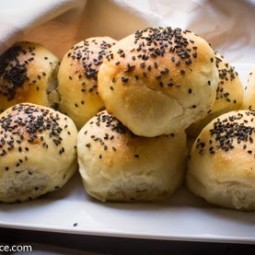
(229, 95)
(77, 79)
(158, 80)
(117, 165)
(222, 161)
(37, 151)
(249, 92)
(28, 73)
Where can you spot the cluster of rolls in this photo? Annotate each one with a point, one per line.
(135, 149)
(122, 111)
(221, 168)
(37, 143)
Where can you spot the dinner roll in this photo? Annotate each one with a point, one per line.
(117, 165)
(158, 80)
(229, 95)
(249, 92)
(222, 161)
(28, 73)
(77, 79)
(37, 151)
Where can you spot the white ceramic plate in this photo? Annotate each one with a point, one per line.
(182, 217)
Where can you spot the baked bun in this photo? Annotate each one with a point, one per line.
(77, 79)
(117, 165)
(37, 151)
(158, 80)
(249, 92)
(229, 95)
(222, 165)
(28, 73)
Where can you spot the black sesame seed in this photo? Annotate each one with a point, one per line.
(124, 79)
(13, 71)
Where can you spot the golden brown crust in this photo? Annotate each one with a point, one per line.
(117, 165)
(158, 80)
(27, 74)
(222, 161)
(230, 90)
(37, 151)
(249, 92)
(229, 95)
(77, 79)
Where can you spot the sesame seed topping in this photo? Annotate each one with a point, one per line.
(25, 120)
(229, 132)
(113, 129)
(226, 73)
(13, 71)
(90, 54)
(152, 44)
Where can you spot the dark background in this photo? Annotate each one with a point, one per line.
(58, 243)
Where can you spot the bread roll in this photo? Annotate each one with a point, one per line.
(37, 151)
(77, 79)
(249, 92)
(222, 166)
(158, 80)
(229, 95)
(28, 73)
(117, 165)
